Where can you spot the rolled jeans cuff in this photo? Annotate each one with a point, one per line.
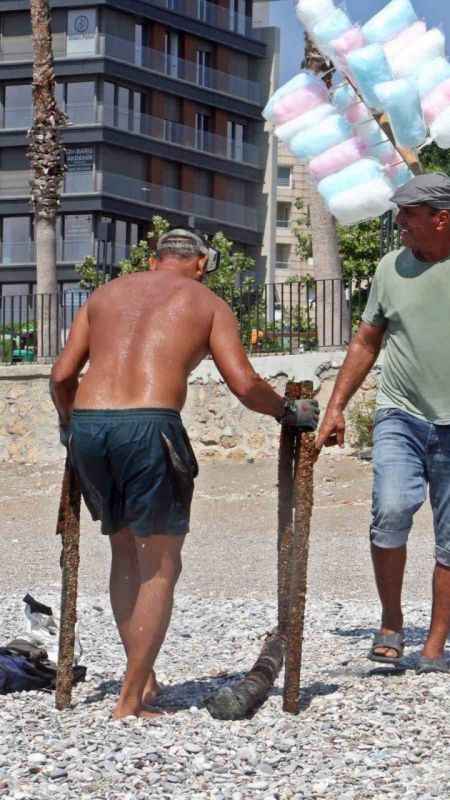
(442, 556)
(388, 540)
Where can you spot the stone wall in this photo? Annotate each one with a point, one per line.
(219, 426)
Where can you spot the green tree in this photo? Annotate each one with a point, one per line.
(434, 159)
(359, 246)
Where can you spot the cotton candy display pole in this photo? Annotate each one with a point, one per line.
(401, 100)
(389, 22)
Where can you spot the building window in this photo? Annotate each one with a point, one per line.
(171, 53)
(79, 177)
(203, 63)
(236, 12)
(123, 108)
(283, 215)
(17, 106)
(76, 237)
(108, 103)
(138, 51)
(283, 253)
(79, 101)
(201, 131)
(17, 240)
(284, 176)
(81, 32)
(235, 140)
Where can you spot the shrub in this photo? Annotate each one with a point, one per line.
(361, 419)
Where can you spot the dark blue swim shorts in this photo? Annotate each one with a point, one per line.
(136, 468)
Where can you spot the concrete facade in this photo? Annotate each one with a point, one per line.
(291, 184)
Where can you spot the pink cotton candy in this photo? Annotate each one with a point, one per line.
(350, 40)
(436, 101)
(357, 113)
(337, 158)
(298, 102)
(404, 39)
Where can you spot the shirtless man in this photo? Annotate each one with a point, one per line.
(142, 335)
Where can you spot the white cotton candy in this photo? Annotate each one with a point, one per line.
(400, 99)
(399, 174)
(432, 74)
(410, 61)
(310, 12)
(312, 118)
(404, 40)
(360, 172)
(393, 18)
(331, 27)
(311, 143)
(440, 130)
(369, 66)
(367, 201)
(299, 95)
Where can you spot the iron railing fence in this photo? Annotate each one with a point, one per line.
(273, 318)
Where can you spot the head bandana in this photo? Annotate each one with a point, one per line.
(432, 189)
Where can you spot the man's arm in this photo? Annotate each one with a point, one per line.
(66, 369)
(361, 356)
(232, 362)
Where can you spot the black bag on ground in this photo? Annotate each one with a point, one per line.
(24, 667)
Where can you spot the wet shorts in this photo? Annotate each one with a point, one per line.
(136, 469)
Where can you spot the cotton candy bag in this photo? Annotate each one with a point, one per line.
(368, 67)
(426, 48)
(337, 158)
(366, 201)
(440, 130)
(399, 174)
(363, 171)
(404, 40)
(303, 122)
(400, 98)
(310, 12)
(331, 27)
(436, 101)
(432, 74)
(344, 96)
(332, 130)
(350, 40)
(393, 18)
(299, 95)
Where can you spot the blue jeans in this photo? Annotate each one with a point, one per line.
(409, 454)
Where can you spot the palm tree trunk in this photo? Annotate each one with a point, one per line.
(46, 155)
(333, 317)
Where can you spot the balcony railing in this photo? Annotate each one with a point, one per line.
(282, 223)
(213, 15)
(145, 125)
(158, 61)
(150, 194)
(68, 251)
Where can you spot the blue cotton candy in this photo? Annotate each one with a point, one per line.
(344, 96)
(362, 171)
(390, 21)
(303, 80)
(371, 133)
(369, 66)
(310, 12)
(432, 74)
(399, 175)
(365, 201)
(332, 131)
(401, 100)
(332, 27)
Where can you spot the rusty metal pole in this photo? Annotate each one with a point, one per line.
(68, 527)
(303, 503)
(286, 457)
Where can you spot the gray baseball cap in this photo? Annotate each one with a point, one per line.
(431, 189)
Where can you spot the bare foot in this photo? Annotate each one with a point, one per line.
(123, 710)
(151, 691)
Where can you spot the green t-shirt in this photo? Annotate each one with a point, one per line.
(412, 298)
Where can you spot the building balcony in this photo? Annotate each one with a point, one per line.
(212, 14)
(146, 125)
(156, 61)
(154, 196)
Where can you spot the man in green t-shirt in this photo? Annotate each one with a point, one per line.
(409, 311)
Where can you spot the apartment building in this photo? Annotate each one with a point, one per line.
(292, 184)
(164, 103)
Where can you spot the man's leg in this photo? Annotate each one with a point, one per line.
(399, 489)
(124, 586)
(438, 462)
(159, 563)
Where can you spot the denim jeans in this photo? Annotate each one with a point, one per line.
(409, 454)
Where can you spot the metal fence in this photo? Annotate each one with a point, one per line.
(273, 318)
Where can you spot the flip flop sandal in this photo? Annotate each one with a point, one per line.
(394, 641)
(425, 665)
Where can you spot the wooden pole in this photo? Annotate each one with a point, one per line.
(68, 527)
(303, 503)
